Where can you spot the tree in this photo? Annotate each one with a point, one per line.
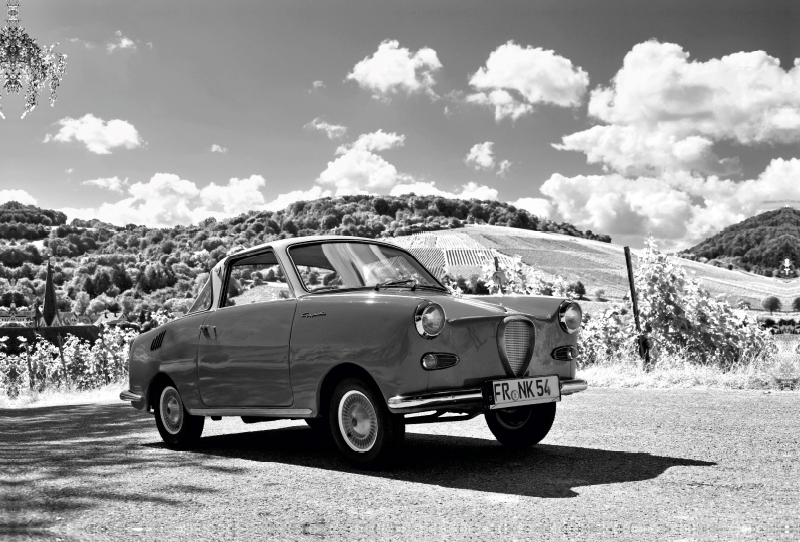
(771, 303)
(81, 303)
(796, 304)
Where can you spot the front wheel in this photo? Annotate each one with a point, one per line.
(364, 430)
(521, 427)
(179, 429)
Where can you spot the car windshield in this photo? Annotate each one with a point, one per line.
(341, 265)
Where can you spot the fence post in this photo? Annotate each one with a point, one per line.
(63, 363)
(30, 370)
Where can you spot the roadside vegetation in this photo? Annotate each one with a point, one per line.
(699, 340)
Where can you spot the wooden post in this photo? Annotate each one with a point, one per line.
(642, 342)
(30, 369)
(63, 363)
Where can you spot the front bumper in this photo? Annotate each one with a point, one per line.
(469, 399)
(130, 396)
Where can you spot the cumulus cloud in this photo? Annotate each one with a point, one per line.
(515, 78)
(536, 206)
(317, 85)
(120, 42)
(20, 196)
(480, 156)
(503, 168)
(678, 208)
(218, 148)
(358, 170)
(87, 44)
(99, 136)
(665, 112)
(166, 200)
(393, 69)
(115, 184)
(333, 131)
(634, 150)
(284, 200)
(468, 191)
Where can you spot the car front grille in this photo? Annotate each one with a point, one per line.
(517, 340)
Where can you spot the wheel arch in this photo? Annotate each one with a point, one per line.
(336, 375)
(157, 383)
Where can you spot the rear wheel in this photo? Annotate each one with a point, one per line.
(179, 429)
(521, 427)
(364, 430)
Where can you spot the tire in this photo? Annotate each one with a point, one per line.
(521, 427)
(179, 429)
(364, 430)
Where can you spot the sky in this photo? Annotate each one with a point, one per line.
(672, 118)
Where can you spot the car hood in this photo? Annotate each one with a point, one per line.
(537, 307)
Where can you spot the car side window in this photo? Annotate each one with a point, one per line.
(319, 278)
(255, 279)
(203, 301)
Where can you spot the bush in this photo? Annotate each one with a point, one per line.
(680, 316)
(83, 365)
(771, 304)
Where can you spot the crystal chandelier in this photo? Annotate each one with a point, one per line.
(22, 59)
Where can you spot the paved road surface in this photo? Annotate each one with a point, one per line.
(637, 465)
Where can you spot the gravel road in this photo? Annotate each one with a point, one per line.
(618, 464)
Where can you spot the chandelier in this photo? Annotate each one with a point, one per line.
(21, 59)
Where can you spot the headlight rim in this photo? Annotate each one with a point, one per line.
(562, 313)
(418, 313)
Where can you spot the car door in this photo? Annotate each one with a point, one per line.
(243, 351)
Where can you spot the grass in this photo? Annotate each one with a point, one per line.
(58, 397)
(678, 373)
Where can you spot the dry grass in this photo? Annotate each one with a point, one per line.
(58, 397)
(677, 373)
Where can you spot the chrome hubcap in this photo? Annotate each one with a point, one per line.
(358, 421)
(171, 410)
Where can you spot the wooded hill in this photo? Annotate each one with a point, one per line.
(759, 244)
(99, 266)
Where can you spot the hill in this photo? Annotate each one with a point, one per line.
(599, 266)
(133, 267)
(759, 244)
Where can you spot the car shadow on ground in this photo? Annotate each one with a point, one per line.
(56, 462)
(546, 470)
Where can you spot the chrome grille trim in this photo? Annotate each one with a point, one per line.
(515, 340)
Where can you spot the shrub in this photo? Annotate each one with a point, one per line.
(771, 304)
(683, 318)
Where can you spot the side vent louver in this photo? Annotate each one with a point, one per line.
(159, 339)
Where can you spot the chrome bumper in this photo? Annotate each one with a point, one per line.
(130, 396)
(568, 387)
(405, 404)
(430, 401)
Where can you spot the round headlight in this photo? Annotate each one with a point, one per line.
(570, 316)
(429, 319)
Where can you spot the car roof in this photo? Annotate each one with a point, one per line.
(286, 243)
(283, 244)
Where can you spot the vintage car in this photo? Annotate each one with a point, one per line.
(358, 339)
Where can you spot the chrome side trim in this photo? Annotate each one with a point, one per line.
(130, 396)
(568, 387)
(406, 403)
(265, 412)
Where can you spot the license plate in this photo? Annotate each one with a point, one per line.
(522, 391)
